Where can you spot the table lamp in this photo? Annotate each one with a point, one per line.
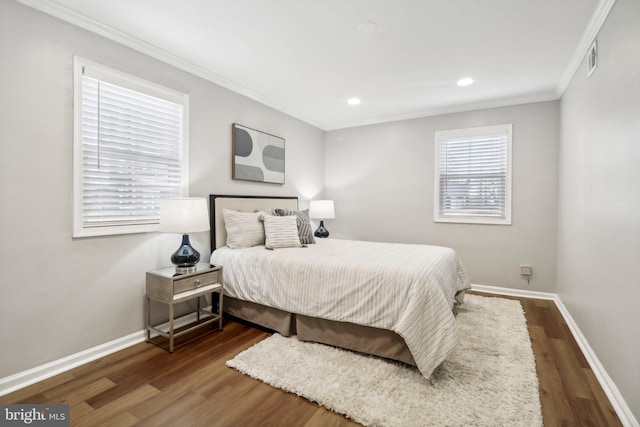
(184, 215)
(321, 209)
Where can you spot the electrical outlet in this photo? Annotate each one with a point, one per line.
(525, 270)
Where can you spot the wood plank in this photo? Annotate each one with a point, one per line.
(553, 398)
(323, 418)
(601, 402)
(175, 412)
(145, 385)
(30, 393)
(113, 412)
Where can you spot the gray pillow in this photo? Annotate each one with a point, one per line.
(304, 224)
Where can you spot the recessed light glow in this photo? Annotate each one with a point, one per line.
(353, 101)
(367, 27)
(465, 82)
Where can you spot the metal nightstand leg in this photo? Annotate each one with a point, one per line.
(147, 319)
(170, 328)
(220, 307)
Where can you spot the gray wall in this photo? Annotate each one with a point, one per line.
(59, 295)
(381, 178)
(599, 209)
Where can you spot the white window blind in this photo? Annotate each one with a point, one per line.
(473, 175)
(130, 151)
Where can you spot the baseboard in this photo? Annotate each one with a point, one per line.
(617, 401)
(521, 293)
(608, 386)
(39, 373)
(48, 370)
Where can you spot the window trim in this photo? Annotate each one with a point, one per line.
(474, 132)
(80, 66)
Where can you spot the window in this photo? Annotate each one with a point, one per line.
(130, 150)
(473, 175)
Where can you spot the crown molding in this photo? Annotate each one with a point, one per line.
(52, 8)
(494, 103)
(593, 28)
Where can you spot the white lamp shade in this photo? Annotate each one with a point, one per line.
(184, 215)
(321, 209)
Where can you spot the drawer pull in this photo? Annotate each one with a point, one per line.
(198, 283)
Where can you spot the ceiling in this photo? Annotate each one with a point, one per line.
(308, 57)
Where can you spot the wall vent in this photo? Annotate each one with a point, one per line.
(592, 58)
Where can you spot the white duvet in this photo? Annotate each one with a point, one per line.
(409, 289)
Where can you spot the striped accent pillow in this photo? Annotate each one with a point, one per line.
(244, 229)
(304, 224)
(281, 232)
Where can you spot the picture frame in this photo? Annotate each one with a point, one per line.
(257, 156)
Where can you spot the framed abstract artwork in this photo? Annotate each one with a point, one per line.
(257, 156)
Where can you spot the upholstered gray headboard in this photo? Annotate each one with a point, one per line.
(244, 204)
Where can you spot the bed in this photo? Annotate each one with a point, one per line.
(389, 300)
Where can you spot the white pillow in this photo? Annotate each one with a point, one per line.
(244, 229)
(281, 231)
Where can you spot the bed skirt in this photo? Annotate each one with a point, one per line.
(363, 339)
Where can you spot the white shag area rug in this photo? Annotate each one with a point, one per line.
(489, 380)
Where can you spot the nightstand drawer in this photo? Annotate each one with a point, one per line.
(196, 282)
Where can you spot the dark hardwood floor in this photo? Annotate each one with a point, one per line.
(145, 385)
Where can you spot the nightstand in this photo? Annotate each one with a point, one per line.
(170, 288)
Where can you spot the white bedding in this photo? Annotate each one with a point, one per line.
(409, 289)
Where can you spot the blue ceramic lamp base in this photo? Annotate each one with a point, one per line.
(186, 257)
(321, 231)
